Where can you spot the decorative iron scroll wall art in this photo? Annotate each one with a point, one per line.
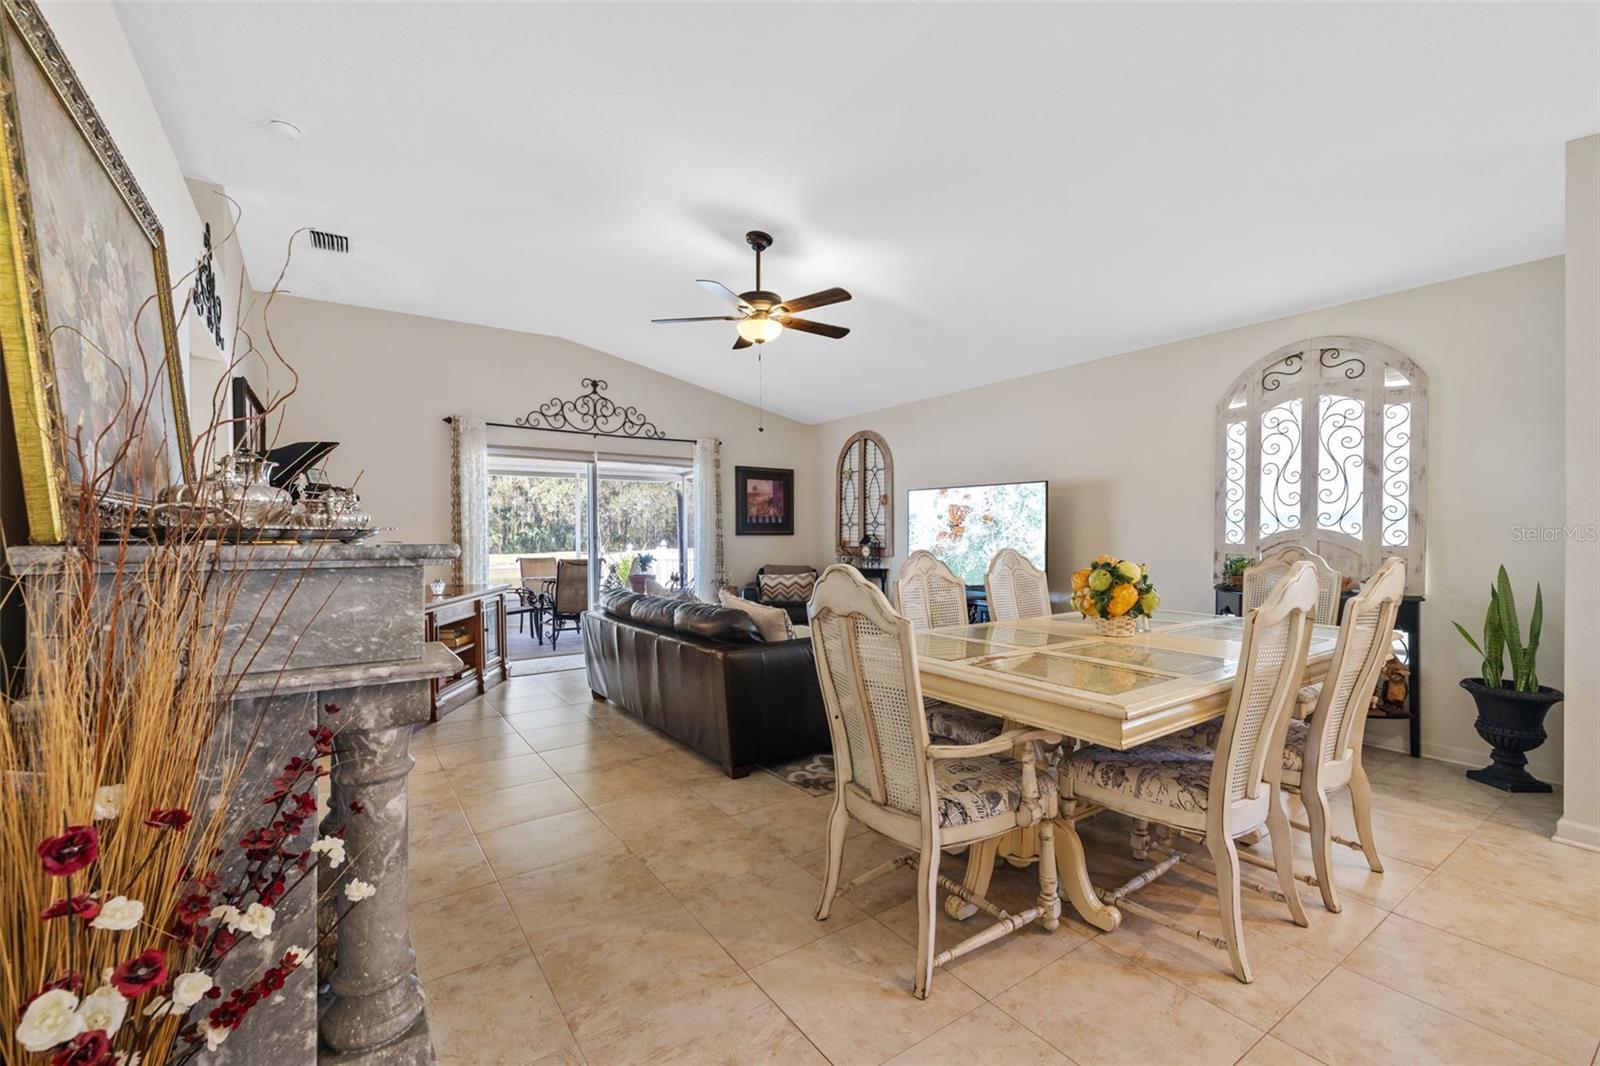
(593, 413)
(207, 301)
(1322, 444)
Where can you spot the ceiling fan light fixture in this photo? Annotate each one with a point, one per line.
(759, 329)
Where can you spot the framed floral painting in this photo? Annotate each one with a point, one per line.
(92, 368)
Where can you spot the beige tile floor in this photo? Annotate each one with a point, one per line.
(585, 890)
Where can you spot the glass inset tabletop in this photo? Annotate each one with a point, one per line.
(1174, 662)
(1018, 637)
(1074, 673)
(1218, 629)
(950, 648)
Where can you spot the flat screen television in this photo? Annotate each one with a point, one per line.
(965, 525)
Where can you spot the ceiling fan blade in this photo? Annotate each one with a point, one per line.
(816, 299)
(741, 343)
(722, 292)
(822, 329)
(701, 318)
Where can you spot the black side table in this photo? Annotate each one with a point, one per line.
(1407, 626)
(880, 574)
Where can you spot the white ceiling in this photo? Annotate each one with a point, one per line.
(1005, 189)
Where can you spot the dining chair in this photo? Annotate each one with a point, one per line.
(930, 595)
(536, 572)
(1015, 588)
(1212, 794)
(1262, 576)
(891, 777)
(571, 597)
(1322, 754)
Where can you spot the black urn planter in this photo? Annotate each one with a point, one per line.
(1513, 724)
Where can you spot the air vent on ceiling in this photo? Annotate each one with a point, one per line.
(323, 241)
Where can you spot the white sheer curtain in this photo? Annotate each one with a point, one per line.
(707, 541)
(469, 498)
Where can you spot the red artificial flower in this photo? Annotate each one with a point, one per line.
(330, 708)
(322, 738)
(70, 852)
(86, 1049)
(357, 807)
(223, 941)
(272, 893)
(141, 973)
(305, 803)
(84, 907)
(261, 844)
(174, 818)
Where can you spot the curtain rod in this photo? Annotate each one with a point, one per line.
(583, 433)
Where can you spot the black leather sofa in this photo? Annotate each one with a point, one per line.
(701, 673)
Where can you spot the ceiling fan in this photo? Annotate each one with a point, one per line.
(764, 315)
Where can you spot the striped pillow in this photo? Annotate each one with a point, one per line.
(787, 588)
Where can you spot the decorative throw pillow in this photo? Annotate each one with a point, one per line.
(787, 588)
(773, 622)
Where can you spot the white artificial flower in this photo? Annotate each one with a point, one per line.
(333, 848)
(189, 988)
(256, 920)
(158, 1007)
(107, 802)
(104, 1008)
(51, 1019)
(296, 954)
(358, 890)
(229, 915)
(214, 1034)
(119, 912)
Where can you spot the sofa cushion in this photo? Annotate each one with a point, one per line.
(773, 622)
(710, 622)
(654, 611)
(619, 602)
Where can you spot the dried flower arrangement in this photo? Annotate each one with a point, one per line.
(131, 873)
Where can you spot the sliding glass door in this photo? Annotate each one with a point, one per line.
(629, 518)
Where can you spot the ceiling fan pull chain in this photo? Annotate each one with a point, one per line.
(761, 385)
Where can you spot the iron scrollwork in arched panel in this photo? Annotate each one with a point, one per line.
(592, 412)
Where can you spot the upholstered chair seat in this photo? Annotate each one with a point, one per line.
(960, 725)
(1167, 781)
(984, 786)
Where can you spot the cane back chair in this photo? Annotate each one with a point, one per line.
(920, 795)
(1213, 795)
(1322, 754)
(1015, 587)
(930, 595)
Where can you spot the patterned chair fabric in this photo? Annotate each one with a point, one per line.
(987, 786)
(1172, 776)
(950, 724)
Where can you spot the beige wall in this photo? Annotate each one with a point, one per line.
(1126, 444)
(1581, 820)
(380, 382)
(212, 369)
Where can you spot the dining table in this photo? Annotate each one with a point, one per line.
(1059, 674)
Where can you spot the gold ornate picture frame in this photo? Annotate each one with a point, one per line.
(93, 374)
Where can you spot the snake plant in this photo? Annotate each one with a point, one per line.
(1502, 633)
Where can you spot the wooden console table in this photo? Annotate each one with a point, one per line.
(470, 620)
